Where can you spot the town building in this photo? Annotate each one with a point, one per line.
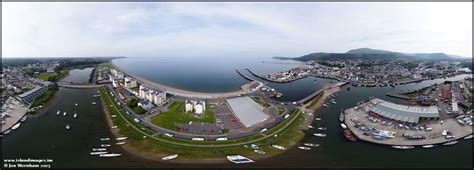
(403, 113)
(30, 96)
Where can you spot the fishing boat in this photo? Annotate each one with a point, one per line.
(99, 149)
(120, 143)
(238, 159)
(169, 157)
(110, 155)
(311, 144)
(319, 134)
(75, 115)
(259, 152)
(428, 146)
(450, 143)
(104, 139)
(468, 137)
(343, 126)
(121, 138)
(403, 147)
(304, 148)
(23, 119)
(99, 153)
(279, 147)
(57, 113)
(105, 145)
(321, 128)
(311, 127)
(16, 126)
(349, 136)
(317, 118)
(94, 103)
(114, 127)
(68, 127)
(254, 146)
(341, 116)
(64, 114)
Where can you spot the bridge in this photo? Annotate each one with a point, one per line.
(79, 86)
(308, 98)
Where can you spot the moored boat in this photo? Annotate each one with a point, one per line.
(349, 135)
(121, 138)
(114, 116)
(105, 145)
(68, 126)
(16, 126)
(99, 149)
(450, 143)
(341, 116)
(468, 137)
(110, 155)
(304, 148)
(319, 134)
(94, 103)
(170, 157)
(343, 126)
(104, 139)
(321, 128)
(325, 105)
(403, 147)
(6, 132)
(317, 118)
(114, 127)
(259, 151)
(279, 147)
(23, 119)
(254, 146)
(120, 143)
(311, 144)
(239, 159)
(64, 114)
(99, 153)
(310, 127)
(57, 113)
(75, 115)
(428, 146)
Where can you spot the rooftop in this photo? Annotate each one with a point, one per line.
(403, 112)
(247, 111)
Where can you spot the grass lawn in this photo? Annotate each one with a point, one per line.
(281, 110)
(138, 110)
(48, 94)
(260, 101)
(155, 148)
(176, 114)
(107, 65)
(45, 76)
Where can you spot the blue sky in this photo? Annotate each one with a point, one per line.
(232, 29)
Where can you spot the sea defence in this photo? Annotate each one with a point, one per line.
(244, 89)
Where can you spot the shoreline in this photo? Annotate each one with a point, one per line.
(318, 105)
(46, 106)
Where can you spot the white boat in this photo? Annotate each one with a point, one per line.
(75, 115)
(238, 159)
(304, 148)
(120, 143)
(68, 127)
(311, 127)
(110, 155)
(105, 145)
(94, 103)
(468, 137)
(6, 132)
(341, 115)
(104, 139)
(321, 128)
(98, 153)
(254, 146)
(114, 127)
(64, 114)
(319, 134)
(428, 146)
(99, 149)
(121, 138)
(450, 143)
(343, 126)
(325, 105)
(333, 102)
(317, 118)
(169, 157)
(57, 113)
(278, 147)
(311, 144)
(259, 152)
(23, 119)
(403, 147)
(16, 126)
(76, 104)
(114, 115)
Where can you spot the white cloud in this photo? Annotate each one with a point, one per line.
(232, 29)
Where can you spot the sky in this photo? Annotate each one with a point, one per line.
(232, 29)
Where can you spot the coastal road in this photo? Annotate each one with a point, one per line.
(196, 145)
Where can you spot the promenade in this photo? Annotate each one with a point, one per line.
(244, 89)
